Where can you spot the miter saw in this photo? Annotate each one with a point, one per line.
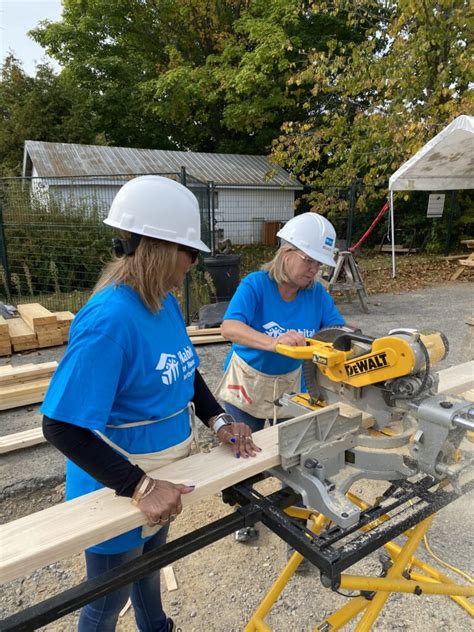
(405, 428)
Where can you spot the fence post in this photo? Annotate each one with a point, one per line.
(182, 176)
(4, 256)
(350, 214)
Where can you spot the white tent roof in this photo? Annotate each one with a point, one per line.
(446, 162)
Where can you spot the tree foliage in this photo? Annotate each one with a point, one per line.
(374, 103)
(45, 107)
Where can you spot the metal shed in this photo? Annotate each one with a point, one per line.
(251, 197)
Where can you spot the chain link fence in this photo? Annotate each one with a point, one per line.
(53, 243)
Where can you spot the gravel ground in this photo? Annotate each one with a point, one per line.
(220, 586)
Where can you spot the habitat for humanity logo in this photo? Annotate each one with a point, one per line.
(274, 329)
(168, 364)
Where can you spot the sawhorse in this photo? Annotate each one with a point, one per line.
(404, 573)
(345, 264)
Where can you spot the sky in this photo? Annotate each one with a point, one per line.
(17, 17)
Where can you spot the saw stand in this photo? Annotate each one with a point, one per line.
(402, 572)
(346, 265)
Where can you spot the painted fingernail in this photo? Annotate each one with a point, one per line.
(237, 455)
(233, 440)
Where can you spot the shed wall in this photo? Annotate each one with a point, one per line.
(241, 213)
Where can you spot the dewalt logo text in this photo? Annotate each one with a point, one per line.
(366, 365)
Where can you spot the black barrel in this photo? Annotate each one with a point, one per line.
(224, 271)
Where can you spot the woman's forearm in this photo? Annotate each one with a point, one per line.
(242, 334)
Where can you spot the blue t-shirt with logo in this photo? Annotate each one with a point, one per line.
(258, 303)
(124, 364)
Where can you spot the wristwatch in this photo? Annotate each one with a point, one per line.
(219, 421)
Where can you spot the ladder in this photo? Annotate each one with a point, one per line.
(346, 277)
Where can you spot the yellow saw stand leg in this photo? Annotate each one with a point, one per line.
(434, 582)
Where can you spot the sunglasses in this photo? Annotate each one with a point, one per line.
(191, 252)
(306, 259)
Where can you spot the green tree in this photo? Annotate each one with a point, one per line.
(374, 103)
(45, 107)
(208, 75)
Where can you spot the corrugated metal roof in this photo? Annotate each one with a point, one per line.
(54, 160)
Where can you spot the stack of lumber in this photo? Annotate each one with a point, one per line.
(43, 323)
(36, 328)
(25, 384)
(5, 343)
(205, 336)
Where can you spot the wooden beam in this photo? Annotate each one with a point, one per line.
(207, 340)
(27, 372)
(68, 528)
(19, 440)
(36, 315)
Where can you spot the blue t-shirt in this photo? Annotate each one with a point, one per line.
(124, 364)
(258, 303)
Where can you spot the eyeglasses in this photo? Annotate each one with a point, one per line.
(191, 252)
(306, 259)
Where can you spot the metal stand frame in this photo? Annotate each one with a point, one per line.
(332, 549)
(401, 573)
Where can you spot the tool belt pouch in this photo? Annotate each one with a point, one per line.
(255, 392)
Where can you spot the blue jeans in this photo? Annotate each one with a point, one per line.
(254, 423)
(102, 615)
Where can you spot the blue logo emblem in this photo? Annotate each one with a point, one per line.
(329, 241)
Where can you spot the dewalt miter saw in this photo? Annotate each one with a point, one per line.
(405, 428)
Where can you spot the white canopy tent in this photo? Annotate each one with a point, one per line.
(445, 163)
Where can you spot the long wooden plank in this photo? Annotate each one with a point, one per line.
(34, 314)
(194, 331)
(207, 340)
(19, 440)
(14, 395)
(24, 372)
(68, 528)
(4, 328)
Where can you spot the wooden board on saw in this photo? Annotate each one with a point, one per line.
(205, 336)
(68, 528)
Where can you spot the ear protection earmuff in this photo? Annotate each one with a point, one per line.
(125, 247)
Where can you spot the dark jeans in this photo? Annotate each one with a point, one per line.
(102, 615)
(254, 423)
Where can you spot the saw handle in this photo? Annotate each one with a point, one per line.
(343, 342)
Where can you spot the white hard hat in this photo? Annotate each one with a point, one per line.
(313, 234)
(158, 207)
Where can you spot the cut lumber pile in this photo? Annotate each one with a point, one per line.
(5, 342)
(24, 385)
(205, 336)
(43, 323)
(68, 528)
(36, 327)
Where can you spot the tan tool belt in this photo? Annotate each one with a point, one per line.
(152, 460)
(254, 392)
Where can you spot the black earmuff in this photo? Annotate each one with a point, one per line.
(125, 247)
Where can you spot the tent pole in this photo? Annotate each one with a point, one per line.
(452, 207)
(392, 231)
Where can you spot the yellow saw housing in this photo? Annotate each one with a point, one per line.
(390, 357)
